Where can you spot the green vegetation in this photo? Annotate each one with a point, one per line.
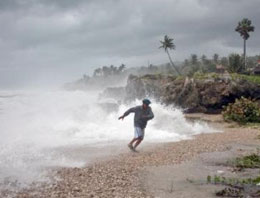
(195, 66)
(236, 187)
(232, 181)
(235, 76)
(250, 78)
(158, 76)
(232, 63)
(208, 179)
(242, 111)
(202, 76)
(109, 71)
(249, 161)
(180, 78)
(243, 28)
(235, 64)
(252, 125)
(167, 43)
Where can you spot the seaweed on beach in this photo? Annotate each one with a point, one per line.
(239, 187)
(233, 191)
(236, 187)
(229, 192)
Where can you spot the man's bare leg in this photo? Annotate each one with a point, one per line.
(139, 140)
(130, 145)
(132, 141)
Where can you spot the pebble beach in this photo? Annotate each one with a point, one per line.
(122, 175)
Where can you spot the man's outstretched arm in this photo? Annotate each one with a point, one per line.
(131, 110)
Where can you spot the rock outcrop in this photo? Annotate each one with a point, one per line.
(207, 95)
(194, 95)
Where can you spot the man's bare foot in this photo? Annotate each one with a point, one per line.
(131, 147)
(135, 150)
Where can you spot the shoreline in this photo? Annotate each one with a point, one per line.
(122, 175)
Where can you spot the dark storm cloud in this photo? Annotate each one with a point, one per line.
(45, 39)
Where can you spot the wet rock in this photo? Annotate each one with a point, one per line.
(191, 94)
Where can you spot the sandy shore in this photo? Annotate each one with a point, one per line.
(126, 174)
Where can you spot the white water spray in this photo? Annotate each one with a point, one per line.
(34, 124)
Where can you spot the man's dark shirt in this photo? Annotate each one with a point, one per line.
(141, 115)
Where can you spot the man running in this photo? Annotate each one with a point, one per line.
(143, 113)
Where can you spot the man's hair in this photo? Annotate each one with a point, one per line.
(146, 101)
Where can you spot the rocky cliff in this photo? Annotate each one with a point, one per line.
(207, 95)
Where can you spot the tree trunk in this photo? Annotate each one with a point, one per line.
(172, 62)
(245, 54)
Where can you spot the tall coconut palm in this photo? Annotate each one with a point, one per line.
(244, 27)
(194, 59)
(121, 68)
(203, 59)
(215, 58)
(167, 43)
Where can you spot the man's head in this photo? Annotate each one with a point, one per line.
(146, 103)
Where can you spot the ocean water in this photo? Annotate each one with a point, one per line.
(34, 124)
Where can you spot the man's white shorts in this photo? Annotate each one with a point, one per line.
(139, 133)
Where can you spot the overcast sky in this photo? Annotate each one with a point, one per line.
(49, 42)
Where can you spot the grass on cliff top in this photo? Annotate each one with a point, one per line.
(203, 76)
(234, 76)
(250, 78)
(158, 76)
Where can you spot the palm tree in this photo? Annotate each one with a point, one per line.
(194, 59)
(203, 59)
(186, 62)
(97, 72)
(112, 70)
(215, 58)
(168, 44)
(224, 61)
(244, 27)
(121, 68)
(105, 71)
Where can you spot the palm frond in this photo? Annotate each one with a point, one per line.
(244, 27)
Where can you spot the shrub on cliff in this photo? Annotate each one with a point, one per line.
(243, 110)
(235, 63)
